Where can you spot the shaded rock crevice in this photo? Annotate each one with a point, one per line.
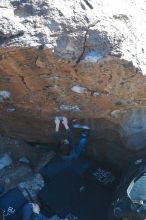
(24, 82)
(88, 4)
(84, 47)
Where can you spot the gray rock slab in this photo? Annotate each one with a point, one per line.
(16, 174)
(32, 185)
(5, 161)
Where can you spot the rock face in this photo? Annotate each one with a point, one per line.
(33, 185)
(21, 165)
(77, 30)
(5, 161)
(81, 59)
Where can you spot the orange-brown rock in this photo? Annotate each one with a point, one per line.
(36, 86)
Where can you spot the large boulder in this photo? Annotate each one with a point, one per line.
(81, 59)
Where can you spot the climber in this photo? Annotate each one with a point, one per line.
(67, 146)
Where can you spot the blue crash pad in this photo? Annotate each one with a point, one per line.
(11, 204)
(68, 192)
(58, 164)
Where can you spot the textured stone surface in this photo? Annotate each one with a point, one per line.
(5, 161)
(21, 173)
(134, 129)
(74, 30)
(4, 95)
(33, 185)
(40, 93)
(12, 176)
(62, 58)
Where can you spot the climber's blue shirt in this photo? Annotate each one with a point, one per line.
(76, 150)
